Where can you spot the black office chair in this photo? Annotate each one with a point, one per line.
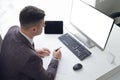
(0, 56)
(0, 43)
(115, 15)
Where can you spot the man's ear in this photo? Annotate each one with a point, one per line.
(33, 29)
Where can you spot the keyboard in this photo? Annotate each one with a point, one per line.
(73, 45)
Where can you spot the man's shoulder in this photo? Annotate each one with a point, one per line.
(14, 27)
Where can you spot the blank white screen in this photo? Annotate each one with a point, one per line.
(91, 22)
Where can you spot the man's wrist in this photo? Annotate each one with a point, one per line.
(55, 58)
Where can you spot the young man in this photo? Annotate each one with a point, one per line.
(19, 59)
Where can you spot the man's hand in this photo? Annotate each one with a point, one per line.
(57, 54)
(43, 52)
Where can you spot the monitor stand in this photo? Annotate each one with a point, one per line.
(84, 40)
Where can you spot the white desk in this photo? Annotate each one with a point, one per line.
(95, 67)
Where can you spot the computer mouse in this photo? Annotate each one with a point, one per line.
(77, 66)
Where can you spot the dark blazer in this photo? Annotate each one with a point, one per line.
(19, 60)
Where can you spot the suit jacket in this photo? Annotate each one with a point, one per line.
(19, 60)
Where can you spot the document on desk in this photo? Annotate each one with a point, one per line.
(64, 67)
(64, 77)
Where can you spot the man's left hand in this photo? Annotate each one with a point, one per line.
(43, 52)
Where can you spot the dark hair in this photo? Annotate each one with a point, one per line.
(31, 15)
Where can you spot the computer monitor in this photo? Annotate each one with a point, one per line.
(93, 24)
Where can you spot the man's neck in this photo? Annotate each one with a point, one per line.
(27, 33)
(26, 36)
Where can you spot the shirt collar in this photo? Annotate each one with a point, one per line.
(29, 39)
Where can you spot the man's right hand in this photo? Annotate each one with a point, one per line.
(57, 54)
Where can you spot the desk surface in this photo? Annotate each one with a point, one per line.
(94, 67)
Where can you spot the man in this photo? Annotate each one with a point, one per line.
(19, 59)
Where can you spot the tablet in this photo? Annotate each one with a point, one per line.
(53, 27)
